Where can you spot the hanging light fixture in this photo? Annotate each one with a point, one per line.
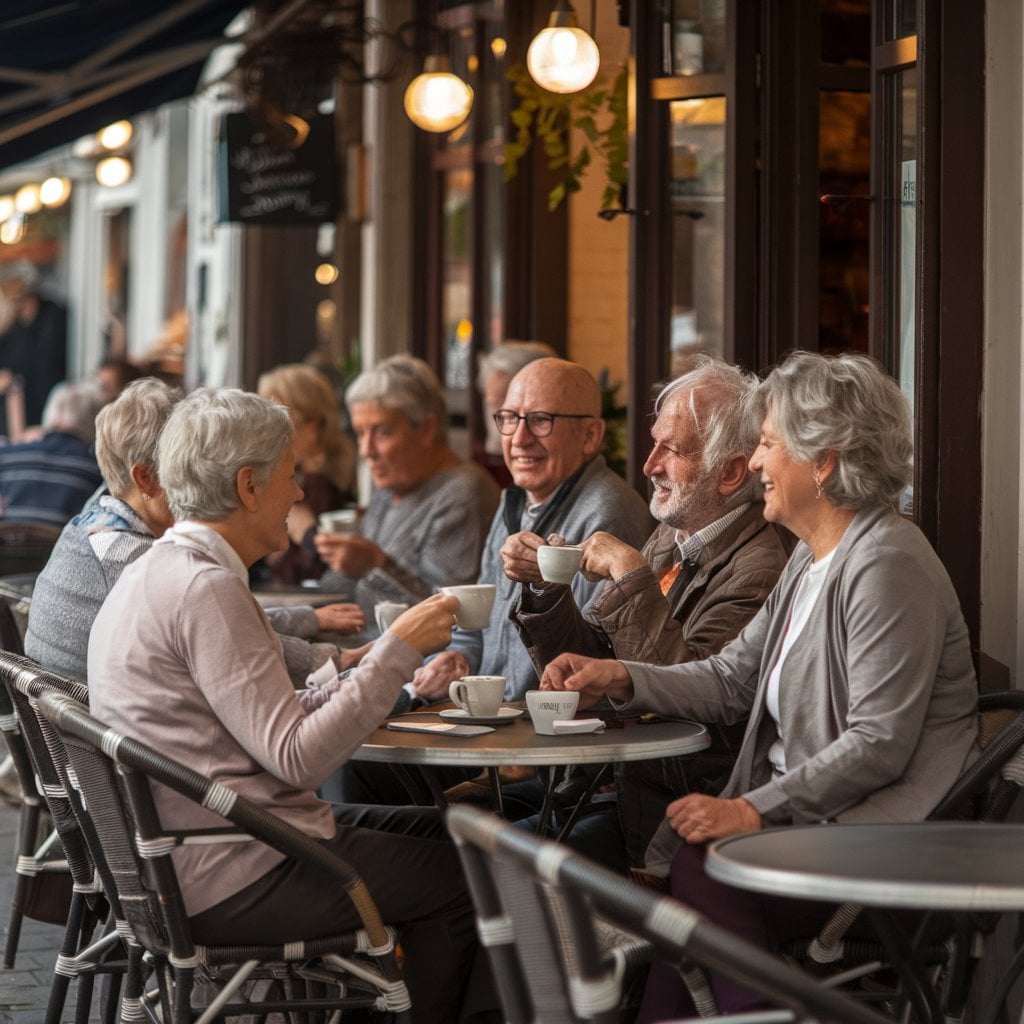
(113, 171)
(437, 100)
(562, 57)
(54, 191)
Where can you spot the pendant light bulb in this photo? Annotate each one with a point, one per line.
(562, 57)
(437, 100)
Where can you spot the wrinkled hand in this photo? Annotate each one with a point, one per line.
(349, 554)
(431, 681)
(519, 555)
(349, 657)
(607, 557)
(340, 618)
(594, 678)
(427, 626)
(699, 819)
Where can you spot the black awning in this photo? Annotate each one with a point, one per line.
(69, 67)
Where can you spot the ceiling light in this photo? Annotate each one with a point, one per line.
(326, 273)
(562, 57)
(437, 100)
(115, 135)
(6, 207)
(113, 171)
(26, 199)
(54, 191)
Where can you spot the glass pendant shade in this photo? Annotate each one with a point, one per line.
(437, 100)
(562, 57)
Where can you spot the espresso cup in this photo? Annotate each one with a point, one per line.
(385, 612)
(549, 706)
(475, 603)
(559, 564)
(480, 696)
(340, 520)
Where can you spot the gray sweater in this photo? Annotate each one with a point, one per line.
(91, 553)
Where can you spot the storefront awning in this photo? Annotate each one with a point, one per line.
(69, 67)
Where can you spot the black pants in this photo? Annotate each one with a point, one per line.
(411, 868)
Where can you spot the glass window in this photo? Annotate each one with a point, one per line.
(696, 37)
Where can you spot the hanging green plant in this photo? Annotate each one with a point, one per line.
(547, 117)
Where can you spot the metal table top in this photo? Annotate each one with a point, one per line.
(518, 744)
(930, 865)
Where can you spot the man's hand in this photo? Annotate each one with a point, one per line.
(340, 618)
(607, 557)
(594, 678)
(699, 819)
(519, 554)
(349, 554)
(431, 681)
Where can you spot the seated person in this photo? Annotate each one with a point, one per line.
(216, 694)
(704, 573)
(49, 479)
(325, 466)
(856, 674)
(427, 518)
(115, 529)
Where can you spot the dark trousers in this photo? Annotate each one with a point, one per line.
(412, 871)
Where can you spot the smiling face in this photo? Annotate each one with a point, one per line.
(269, 527)
(540, 464)
(790, 494)
(394, 449)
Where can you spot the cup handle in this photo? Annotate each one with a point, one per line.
(457, 692)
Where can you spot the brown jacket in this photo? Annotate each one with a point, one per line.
(630, 619)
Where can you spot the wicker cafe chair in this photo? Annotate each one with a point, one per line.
(42, 888)
(315, 978)
(79, 956)
(570, 899)
(25, 547)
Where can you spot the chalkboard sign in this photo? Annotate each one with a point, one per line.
(261, 184)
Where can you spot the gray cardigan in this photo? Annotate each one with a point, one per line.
(877, 696)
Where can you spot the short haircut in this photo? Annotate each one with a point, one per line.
(209, 437)
(406, 384)
(128, 428)
(72, 409)
(848, 405)
(719, 394)
(510, 357)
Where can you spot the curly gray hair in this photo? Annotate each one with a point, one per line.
(127, 430)
(211, 435)
(718, 393)
(404, 383)
(848, 405)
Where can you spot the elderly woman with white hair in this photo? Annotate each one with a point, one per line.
(215, 694)
(856, 673)
(430, 511)
(114, 529)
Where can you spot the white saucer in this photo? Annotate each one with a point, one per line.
(503, 717)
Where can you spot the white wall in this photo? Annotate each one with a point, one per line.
(1002, 572)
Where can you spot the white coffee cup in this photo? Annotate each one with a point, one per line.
(475, 603)
(340, 520)
(549, 706)
(480, 696)
(559, 564)
(385, 612)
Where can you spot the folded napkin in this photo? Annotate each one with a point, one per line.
(566, 726)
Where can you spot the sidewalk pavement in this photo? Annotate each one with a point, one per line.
(25, 989)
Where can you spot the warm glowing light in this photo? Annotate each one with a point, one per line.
(12, 231)
(326, 273)
(115, 135)
(464, 331)
(113, 171)
(437, 100)
(6, 207)
(498, 47)
(562, 57)
(26, 199)
(54, 191)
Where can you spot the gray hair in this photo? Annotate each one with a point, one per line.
(128, 429)
(510, 357)
(848, 405)
(208, 438)
(404, 383)
(718, 404)
(72, 409)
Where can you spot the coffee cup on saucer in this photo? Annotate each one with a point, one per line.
(478, 696)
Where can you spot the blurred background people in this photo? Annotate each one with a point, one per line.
(113, 375)
(48, 480)
(325, 466)
(33, 344)
(429, 512)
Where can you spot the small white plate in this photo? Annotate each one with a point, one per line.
(503, 717)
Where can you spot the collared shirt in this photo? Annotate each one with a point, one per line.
(191, 534)
(694, 547)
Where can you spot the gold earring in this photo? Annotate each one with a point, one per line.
(817, 485)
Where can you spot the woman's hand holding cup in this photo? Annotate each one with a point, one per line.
(427, 626)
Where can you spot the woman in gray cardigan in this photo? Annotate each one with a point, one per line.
(856, 673)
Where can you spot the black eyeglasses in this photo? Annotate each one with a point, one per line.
(540, 424)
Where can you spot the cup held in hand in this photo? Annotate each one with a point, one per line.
(340, 520)
(559, 564)
(480, 696)
(475, 603)
(385, 612)
(549, 706)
